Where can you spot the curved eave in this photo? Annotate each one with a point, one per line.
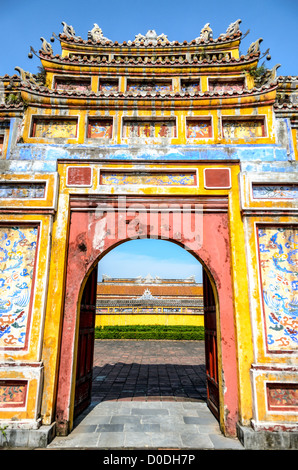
(11, 111)
(259, 97)
(88, 67)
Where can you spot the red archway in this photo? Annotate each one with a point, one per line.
(96, 227)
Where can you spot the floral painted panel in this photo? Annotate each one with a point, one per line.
(154, 179)
(242, 129)
(100, 129)
(278, 251)
(282, 397)
(55, 128)
(149, 129)
(275, 191)
(12, 393)
(199, 129)
(17, 261)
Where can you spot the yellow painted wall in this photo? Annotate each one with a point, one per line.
(114, 320)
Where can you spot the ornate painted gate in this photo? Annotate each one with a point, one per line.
(97, 225)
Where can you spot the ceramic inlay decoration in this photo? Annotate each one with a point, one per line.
(17, 261)
(22, 190)
(162, 179)
(275, 191)
(278, 251)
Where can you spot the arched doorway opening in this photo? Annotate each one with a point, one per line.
(168, 261)
(93, 233)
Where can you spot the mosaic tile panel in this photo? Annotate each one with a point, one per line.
(22, 190)
(278, 253)
(242, 129)
(55, 128)
(17, 262)
(161, 87)
(275, 191)
(148, 178)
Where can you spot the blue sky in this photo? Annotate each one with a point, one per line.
(23, 23)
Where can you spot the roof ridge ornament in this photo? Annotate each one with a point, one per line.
(254, 48)
(233, 28)
(151, 37)
(68, 30)
(206, 33)
(96, 34)
(46, 47)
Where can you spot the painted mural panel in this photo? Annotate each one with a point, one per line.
(226, 86)
(148, 178)
(73, 85)
(100, 129)
(108, 85)
(198, 128)
(17, 264)
(190, 86)
(55, 128)
(149, 129)
(243, 129)
(278, 252)
(161, 87)
(276, 191)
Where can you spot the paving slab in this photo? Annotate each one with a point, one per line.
(147, 395)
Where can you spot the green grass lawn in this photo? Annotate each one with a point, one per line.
(175, 332)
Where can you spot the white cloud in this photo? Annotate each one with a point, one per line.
(128, 264)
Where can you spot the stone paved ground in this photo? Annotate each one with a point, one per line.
(147, 395)
(149, 370)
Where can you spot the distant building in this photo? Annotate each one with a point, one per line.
(148, 300)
